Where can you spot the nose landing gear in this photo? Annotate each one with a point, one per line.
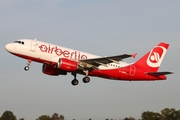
(26, 68)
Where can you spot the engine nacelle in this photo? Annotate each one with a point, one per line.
(51, 70)
(67, 65)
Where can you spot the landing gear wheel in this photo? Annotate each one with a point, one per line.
(28, 64)
(86, 79)
(26, 68)
(75, 82)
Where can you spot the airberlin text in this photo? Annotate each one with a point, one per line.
(60, 52)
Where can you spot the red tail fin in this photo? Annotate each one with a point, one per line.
(152, 60)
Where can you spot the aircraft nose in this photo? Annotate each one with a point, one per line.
(8, 47)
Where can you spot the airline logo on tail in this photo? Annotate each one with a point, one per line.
(156, 56)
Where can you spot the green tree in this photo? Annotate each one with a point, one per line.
(150, 116)
(21, 119)
(130, 118)
(177, 115)
(126, 118)
(61, 117)
(44, 117)
(55, 116)
(8, 115)
(170, 114)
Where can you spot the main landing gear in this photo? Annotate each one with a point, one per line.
(74, 82)
(26, 68)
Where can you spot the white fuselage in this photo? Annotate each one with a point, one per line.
(48, 53)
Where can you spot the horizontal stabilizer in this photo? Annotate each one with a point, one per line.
(158, 73)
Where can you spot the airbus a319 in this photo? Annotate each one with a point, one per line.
(58, 60)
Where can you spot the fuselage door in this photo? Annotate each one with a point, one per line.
(33, 45)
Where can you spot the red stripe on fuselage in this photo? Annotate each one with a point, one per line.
(114, 74)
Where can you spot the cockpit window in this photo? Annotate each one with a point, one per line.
(20, 42)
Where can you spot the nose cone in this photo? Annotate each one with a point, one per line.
(8, 47)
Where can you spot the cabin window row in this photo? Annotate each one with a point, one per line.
(117, 66)
(114, 65)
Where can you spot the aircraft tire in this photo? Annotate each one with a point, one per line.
(86, 79)
(26, 68)
(75, 82)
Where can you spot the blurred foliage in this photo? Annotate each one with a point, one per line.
(8, 115)
(165, 114)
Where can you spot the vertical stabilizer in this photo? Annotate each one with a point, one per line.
(153, 59)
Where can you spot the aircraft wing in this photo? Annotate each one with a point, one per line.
(95, 62)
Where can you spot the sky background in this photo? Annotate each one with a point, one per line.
(101, 27)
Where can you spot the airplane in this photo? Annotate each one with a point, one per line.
(58, 60)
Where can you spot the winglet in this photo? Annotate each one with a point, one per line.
(134, 55)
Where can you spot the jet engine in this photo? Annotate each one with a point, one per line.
(67, 65)
(51, 70)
